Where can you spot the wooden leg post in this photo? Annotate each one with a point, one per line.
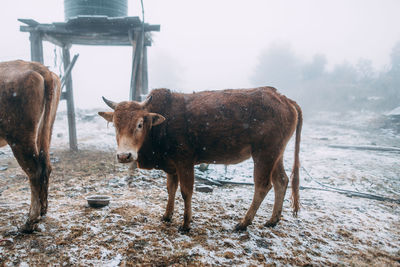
(145, 79)
(139, 78)
(36, 47)
(69, 97)
(137, 43)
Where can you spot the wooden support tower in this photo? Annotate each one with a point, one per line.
(93, 30)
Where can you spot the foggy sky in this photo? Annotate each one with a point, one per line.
(212, 44)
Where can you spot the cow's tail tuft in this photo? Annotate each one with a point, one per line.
(295, 177)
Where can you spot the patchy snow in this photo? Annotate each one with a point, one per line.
(394, 112)
(331, 229)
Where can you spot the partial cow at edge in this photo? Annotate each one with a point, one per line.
(29, 96)
(174, 131)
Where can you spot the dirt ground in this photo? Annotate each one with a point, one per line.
(331, 229)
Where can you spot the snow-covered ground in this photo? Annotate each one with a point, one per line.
(331, 229)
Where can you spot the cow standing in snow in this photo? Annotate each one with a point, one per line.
(174, 131)
(29, 96)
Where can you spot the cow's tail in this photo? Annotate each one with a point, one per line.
(295, 177)
(52, 91)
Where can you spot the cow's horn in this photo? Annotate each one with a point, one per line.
(109, 103)
(147, 101)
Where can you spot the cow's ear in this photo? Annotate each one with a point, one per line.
(108, 116)
(156, 119)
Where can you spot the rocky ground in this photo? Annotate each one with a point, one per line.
(331, 229)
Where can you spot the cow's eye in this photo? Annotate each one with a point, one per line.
(140, 126)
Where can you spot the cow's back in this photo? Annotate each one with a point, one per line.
(228, 125)
(11, 69)
(23, 96)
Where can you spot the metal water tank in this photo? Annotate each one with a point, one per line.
(110, 8)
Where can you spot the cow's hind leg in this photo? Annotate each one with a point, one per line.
(263, 166)
(28, 158)
(280, 182)
(172, 186)
(44, 161)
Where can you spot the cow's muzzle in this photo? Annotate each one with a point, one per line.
(125, 157)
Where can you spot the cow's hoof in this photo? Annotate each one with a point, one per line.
(184, 229)
(28, 228)
(166, 218)
(240, 227)
(43, 212)
(271, 223)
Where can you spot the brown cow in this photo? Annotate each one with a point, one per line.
(174, 131)
(29, 96)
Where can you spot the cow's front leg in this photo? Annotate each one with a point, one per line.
(186, 181)
(172, 186)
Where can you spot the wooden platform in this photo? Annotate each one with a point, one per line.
(90, 30)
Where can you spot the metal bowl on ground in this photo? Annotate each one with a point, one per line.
(98, 201)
